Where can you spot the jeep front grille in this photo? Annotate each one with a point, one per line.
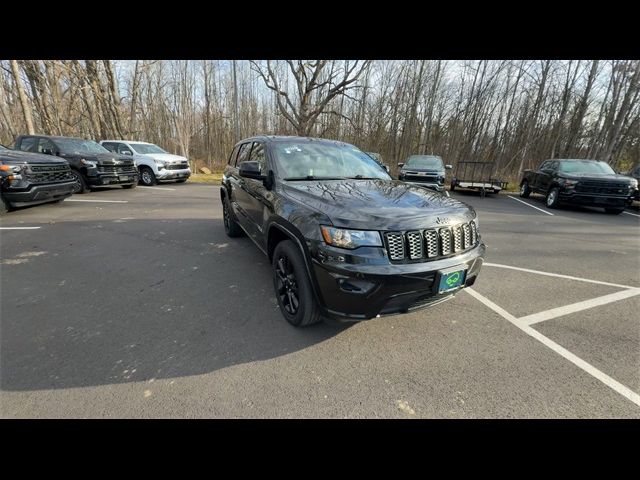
(431, 239)
(414, 239)
(429, 244)
(395, 242)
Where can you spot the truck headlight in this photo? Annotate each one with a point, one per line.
(634, 183)
(89, 163)
(160, 164)
(340, 237)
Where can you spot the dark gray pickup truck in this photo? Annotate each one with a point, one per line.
(30, 179)
(580, 182)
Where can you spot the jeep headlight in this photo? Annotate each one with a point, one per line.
(343, 238)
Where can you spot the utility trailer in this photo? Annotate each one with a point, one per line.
(476, 176)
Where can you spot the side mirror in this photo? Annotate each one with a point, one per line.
(448, 167)
(47, 151)
(386, 167)
(126, 152)
(401, 164)
(251, 170)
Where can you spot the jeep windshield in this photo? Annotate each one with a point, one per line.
(146, 148)
(77, 145)
(586, 166)
(424, 161)
(325, 161)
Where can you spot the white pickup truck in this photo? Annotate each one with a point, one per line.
(154, 164)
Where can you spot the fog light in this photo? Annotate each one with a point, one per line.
(355, 286)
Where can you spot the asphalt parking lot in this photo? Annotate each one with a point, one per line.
(136, 304)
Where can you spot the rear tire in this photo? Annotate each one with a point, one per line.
(452, 187)
(293, 286)
(231, 226)
(80, 185)
(553, 198)
(614, 211)
(147, 177)
(525, 191)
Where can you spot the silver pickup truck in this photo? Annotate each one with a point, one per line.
(154, 164)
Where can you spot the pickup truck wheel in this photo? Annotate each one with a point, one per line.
(614, 211)
(79, 185)
(4, 206)
(147, 177)
(552, 198)
(293, 287)
(231, 227)
(525, 191)
(452, 187)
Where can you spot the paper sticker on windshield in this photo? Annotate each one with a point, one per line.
(292, 149)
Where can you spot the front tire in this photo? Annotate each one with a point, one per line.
(525, 191)
(147, 177)
(5, 206)
(614, 211)
(231, 226)
(80, 184)
(553, 198)
(293, 286)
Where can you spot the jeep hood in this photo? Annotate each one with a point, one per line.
(378, 204)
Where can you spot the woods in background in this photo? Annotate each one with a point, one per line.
(515, 113)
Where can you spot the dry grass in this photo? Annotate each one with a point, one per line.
(215, 178)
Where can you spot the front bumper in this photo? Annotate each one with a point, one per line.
(387, 289)
(165, 174)
(594, 200)
(38, 194)
(106, 179)
(433, 186)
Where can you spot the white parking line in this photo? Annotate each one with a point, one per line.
(569, 277)
(579, 306)
(157, 188)
(560, 350)
(629, 213)
(95, 201)
(19, 228)
(529, 205)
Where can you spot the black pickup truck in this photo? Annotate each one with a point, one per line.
(580, 182)
(345, 240)
(30, 179)
(91, 164)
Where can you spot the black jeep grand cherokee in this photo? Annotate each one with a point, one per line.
(91, 163)
(345, 240)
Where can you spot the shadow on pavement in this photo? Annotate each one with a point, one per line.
(118, 301)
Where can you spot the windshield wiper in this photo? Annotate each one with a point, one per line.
(313, 177)
(362, 177)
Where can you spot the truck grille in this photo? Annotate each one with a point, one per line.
(178, 166)
(49, 173)
(117, 168)
(432, 243)
(421, 178)
(599, 187)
